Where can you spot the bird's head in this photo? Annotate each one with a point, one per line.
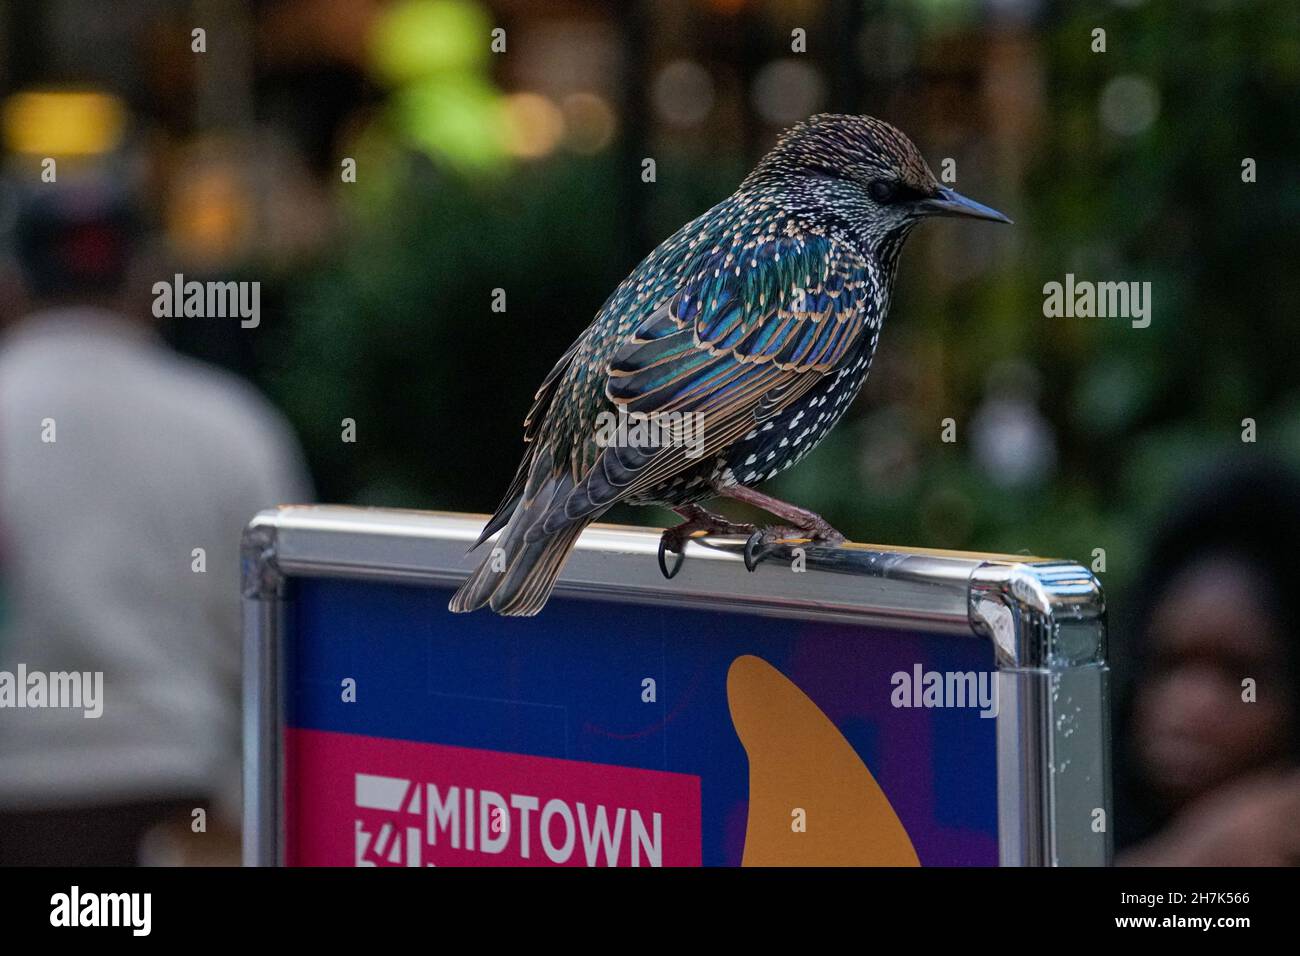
(863, 172)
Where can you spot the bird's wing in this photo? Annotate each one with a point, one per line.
(750, 330)
(796, 303)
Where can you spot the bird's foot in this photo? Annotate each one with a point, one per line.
(698, 522)
(766, 540)
(804, 525)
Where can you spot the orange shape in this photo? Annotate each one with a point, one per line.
(802, 770)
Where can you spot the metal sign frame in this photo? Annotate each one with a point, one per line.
(1045, 619)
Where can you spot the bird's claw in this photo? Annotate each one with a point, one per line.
(677, 548)
(764, 541)
(698, 523)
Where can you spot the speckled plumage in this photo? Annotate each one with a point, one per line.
(760, 317)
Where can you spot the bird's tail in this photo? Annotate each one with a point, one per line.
(519, 574)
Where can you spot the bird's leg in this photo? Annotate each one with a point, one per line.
(804, 525)
(697, 519)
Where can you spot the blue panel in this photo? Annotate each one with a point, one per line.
(568, 684)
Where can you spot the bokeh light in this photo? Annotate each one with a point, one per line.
(1129, 105)
(534, 125)
(789, 90)
(590, 122)
(63, 123)
(683, 93)
(416, 39)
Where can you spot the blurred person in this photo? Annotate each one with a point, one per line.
(1214, 776)
(119, 458)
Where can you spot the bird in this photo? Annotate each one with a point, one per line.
(723, 359)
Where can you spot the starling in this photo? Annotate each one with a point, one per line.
(729, 353)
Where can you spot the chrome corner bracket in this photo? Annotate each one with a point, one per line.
(260, 578)
(1047, 624)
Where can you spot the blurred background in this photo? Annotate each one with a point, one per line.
(477, 171)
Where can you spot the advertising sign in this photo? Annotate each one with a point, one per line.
(642, 722)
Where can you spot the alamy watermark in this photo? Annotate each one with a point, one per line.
(624, 429)
(133, 911)
(208, 300)
(72, 690)
(946, 689)
(1084, 299)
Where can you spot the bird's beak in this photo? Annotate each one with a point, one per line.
(949, 202)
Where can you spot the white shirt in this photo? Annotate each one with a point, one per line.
(154, 455)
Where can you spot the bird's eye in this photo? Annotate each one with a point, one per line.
(883, 191)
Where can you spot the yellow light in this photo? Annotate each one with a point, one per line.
(454, 118)
(534, 125)
(417, 39)
(63, 123)
(590, 120)
(208, 217)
